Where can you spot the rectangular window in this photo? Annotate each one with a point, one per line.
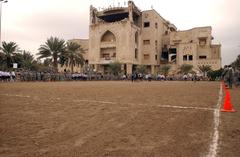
(136, 53)
(156, 25)
(173, 51)
(146, 56)
(156, 57)
(146, 42)
(146, 24)
(202, 57)
(185, 57)
(190, 57)
(105, 55)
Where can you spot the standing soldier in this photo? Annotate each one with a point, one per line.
(41, 76)
(224, 74)
(38, 76)
(25, 75)
(230, 76)
(238, 77)
(13, 75)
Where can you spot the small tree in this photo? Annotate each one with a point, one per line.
(165, 69)
(215, 74)
(205, 69)
(142, 69)
(24, 60)
(115, 68)
(186, 68)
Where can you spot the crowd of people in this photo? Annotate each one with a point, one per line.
(25, 76)
(230, 76)
(7, 76)
(161, 77)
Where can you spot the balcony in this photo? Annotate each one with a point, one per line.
(107, 60)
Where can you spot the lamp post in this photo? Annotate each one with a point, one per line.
(1, 1)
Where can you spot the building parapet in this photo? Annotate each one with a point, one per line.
(101, 23)
(204, 27)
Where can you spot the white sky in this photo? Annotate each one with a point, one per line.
(31, 22)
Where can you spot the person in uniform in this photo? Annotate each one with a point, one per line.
(230, 76)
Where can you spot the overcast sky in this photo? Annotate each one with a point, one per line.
(31, 22)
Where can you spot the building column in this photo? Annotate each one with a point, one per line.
(152, 69)
(96, 67)
(129, 68)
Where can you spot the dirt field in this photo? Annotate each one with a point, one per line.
(115, 119)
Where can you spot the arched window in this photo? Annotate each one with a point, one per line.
(108, 37)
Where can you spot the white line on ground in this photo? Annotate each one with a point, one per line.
(189, 107)
(10, 95)
(214, 144)
(96, 101)
(132, 104)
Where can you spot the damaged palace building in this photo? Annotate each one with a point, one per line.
(133, 37)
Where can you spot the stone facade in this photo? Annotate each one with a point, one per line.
(133, 37)
(193, 47)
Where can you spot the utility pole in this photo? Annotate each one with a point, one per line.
(1, 1)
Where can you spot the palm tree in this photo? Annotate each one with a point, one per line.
(165, 69)
(186, 68)
(73, 55)
(2, 66)
(205, 69)
(8, 50)
(26, 61)
(53, 48)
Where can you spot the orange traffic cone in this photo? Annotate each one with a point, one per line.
(227, 107)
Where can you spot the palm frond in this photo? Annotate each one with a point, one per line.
(9, 48)
(53, 48)
(74, 54)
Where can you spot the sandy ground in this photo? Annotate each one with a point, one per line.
(230, 128)
(114, 119)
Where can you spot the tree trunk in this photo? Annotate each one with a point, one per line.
(55, 64)
(71, 67)
(71, 61)
(8, 62)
